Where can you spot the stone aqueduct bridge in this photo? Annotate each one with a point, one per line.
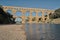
(24, 10)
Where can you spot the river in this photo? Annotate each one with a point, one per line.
(42, 31)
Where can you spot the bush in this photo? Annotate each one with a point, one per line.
(56, 14)
(5, 17)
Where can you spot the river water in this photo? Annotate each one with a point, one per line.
(42, 31)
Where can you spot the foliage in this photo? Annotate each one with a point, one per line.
(5, 17)
(55, 15)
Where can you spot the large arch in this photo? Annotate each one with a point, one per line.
(45, 14)
(27, 13)
(18, 13)
(18, 20)
(9, 11)
(39, 14)
(33, 17)
(27, 20)
(33, 13)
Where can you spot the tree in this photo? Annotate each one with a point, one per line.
(5, 17)
(56, 14)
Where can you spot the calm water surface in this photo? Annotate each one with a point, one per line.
(43, 31)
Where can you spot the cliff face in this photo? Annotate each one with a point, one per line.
(56, 21)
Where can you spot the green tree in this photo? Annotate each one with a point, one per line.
(5, 17)
(55, 15)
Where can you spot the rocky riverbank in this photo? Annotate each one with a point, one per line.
(55, 21)
(12, 32)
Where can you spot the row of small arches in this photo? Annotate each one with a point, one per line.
(18, 13)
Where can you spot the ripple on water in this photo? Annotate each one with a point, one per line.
(43, 31)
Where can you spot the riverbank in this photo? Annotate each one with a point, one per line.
(12, 32)
(55, 21)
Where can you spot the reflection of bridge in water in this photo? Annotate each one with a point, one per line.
(41, 15)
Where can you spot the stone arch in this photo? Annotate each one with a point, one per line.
(33, 13)
(39, 19)
(45, 19)
(18, 20)
(27, 13)
(27, 20)
(45, 14)
(40, 14)
(33, 19)
(18, 13)
(9, 11)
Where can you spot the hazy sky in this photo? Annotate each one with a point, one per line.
(48, 4)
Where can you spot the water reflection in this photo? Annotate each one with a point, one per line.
(42, 31)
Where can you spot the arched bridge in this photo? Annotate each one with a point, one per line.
(44, 13)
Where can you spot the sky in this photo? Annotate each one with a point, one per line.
(45, 4)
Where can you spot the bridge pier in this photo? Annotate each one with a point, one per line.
(30, 21)
(36, 16)
(43, 16)
(23, 17)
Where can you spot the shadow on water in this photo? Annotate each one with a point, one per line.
(42, 31)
